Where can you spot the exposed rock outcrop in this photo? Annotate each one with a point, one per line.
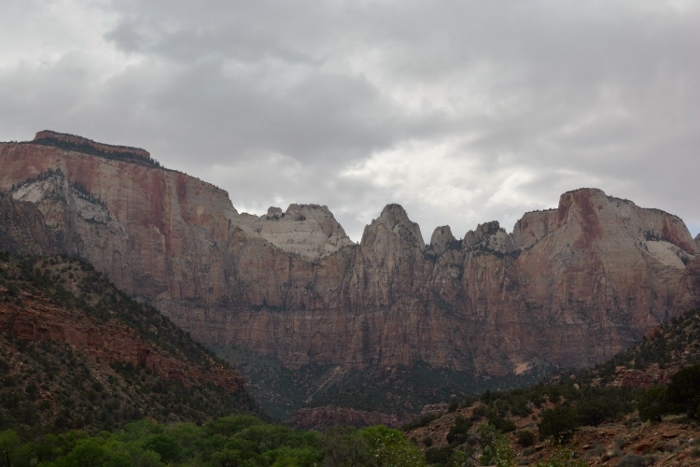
(308, 230)
(73, 142)
(443, 240)
(569, 286)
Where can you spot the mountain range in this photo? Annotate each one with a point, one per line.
(315, 319)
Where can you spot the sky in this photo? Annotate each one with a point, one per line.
(461, 111)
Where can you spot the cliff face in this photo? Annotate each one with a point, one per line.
(570, 286)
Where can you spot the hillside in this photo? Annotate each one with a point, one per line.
(593, 412)
(324, 316)
(75, 352)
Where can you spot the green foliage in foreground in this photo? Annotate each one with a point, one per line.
(682, 395)
(230, 441)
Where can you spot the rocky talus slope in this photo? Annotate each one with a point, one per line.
(569, 286)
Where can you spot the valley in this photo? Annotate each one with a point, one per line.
(129, 291)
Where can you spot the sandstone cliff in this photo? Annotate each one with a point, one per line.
(569, 286)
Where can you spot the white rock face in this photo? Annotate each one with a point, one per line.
(308, 230)
(44, 192)
(667, 253)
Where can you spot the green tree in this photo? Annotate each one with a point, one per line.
(684, 391)
(526, 438)
(343, 446)
(87, 453)
(558, 423)
(167, 447)
(227, 458)
(231, 425)
(653, 404)
(562, 457)
(390, 448)
(498, 451)
(9, 441)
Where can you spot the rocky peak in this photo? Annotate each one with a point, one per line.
(393, 221)
(442, 239)
(482, 232)
(697, 241)
(533, 227)
(273, 212)
(590, 216)
(309, 230)
(595, 270)
(490, 236)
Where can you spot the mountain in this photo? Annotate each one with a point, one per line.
(315, 319)
(77, 353)
(604, 415)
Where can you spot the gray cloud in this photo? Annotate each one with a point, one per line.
(462, 111)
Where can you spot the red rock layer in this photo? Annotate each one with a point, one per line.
(110, 342)
(572, 286)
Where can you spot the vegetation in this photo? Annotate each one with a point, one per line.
(404, 390)
(681, 396)
(227, 441)
(49, 386)
(127, 415)
(559, 408)
(86, 146)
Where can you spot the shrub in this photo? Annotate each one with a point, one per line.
(453, 405)
(458, 433)
(526, 438)
(439, 456)
(684, 391)
(166, 446)
(593, 412)
(653, 404)
(559, 423)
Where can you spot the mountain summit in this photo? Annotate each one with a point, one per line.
(569, 286)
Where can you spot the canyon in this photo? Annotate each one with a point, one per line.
(570, 286)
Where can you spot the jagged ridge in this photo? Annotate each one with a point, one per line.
(570, 286)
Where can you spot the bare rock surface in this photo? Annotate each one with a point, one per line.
(309, 230)
(570, 286)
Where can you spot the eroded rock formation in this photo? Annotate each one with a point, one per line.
(571, 286)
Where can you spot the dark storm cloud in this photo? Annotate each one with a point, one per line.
(462, 111)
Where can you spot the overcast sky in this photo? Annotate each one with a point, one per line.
(461, 111)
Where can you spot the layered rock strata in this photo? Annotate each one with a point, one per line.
(572, 285)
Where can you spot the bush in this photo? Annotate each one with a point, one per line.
(558, 423)
(684, 391)
(166, 446)
(458, 433)
(453, 405)
(593, 412)
(439, 456)
(653, 404)
(526, 438)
